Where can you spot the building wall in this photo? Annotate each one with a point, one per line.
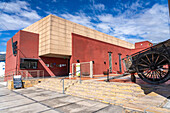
(56, 39)
(86, 49)
(54, 66)
(28, 44)
(43, 28)
(11, 60)
(141, 45)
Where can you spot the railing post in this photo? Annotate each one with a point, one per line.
(63, 87)
(43, 74)
(26, 75)
(80, 75)
(91, 69)
(38, 73)
(107, 76)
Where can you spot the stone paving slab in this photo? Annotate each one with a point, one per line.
(73, 108)
(61, 101)
(10, 97)
(167, 105)
(15, 103)
(29, 90)
(54, 103)
(84, 106)
(4, 91)
(30, 108)
(50, 111)
(111, 109)
(44, 95)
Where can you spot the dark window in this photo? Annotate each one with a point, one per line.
(28, 64)
(120, 65)
(110, 61)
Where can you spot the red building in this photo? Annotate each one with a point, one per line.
(50, 46)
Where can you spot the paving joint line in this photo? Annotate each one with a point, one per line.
(101, 109)
(17, 106)
(37, 101)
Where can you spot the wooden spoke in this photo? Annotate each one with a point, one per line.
(157, 59)
(151, 74)
(152, 57)
(145, 61)
(148, 59)
(148, 73)
(143, 65)
(161, 61)
(143, 69)
(159, 74)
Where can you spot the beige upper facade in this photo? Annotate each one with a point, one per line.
(55, 36)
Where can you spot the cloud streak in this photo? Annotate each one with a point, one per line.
(17, 15)
(147, 24)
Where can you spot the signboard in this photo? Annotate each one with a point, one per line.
(78, 69)
(17, 81)
(2, 68)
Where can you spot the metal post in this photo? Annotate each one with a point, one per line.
(91, 69)
(80, 75)
(107, 75)
(63, 87)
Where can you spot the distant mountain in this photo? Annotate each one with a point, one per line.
(2, 57)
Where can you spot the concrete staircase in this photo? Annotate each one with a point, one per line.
(106, 92)
(55, 84)
(130, 96)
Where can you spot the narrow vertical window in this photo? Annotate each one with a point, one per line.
(110, 62)
(120, 65)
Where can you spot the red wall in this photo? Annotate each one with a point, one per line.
(86, 49)
(141, 45)
(83, 48)
(56, 70)
(10, 63)
(28, 45)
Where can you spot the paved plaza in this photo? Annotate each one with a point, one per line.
(34, 100)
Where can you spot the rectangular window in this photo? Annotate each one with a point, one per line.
(120, 65)
(28, 64)
(110, 62)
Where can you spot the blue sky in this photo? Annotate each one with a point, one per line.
(130, 20)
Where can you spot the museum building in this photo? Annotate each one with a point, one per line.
(52, 45)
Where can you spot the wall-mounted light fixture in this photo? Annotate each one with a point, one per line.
(93, 62)
(104, 62)
(78, 61)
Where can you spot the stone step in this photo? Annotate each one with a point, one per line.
(110, 83)
(108, 89)
(109, 95)
(121, 93)
(136, 87)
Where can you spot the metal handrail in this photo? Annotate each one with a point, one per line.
(24, 73)
(67, 77)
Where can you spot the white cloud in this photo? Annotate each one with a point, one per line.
(151, 24)
(2, 52)
(38, 8)
(17, 15)
(99, 6)
(79, 18)
(148, 24)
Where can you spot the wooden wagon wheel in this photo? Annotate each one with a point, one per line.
(153, 67)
